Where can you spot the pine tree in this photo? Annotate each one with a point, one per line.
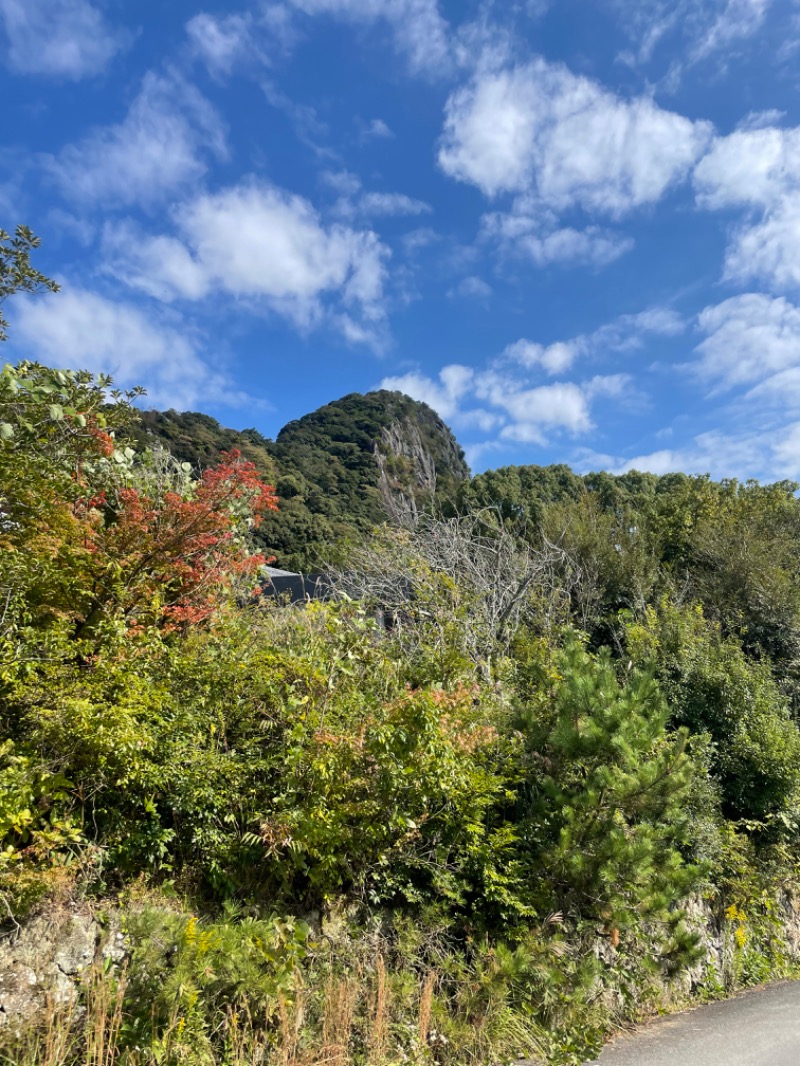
(607, 808)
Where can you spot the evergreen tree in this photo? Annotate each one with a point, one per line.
(607, 807)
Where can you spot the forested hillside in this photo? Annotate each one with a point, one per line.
(338, 471)
(532, 772)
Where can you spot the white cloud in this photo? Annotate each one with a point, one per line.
(780, 390)
(220, 42)
(626, 333)
(768, 250)
(541, 129)
(59, 38)
(723, 454)
(377, 129)
(554, 358)
(343, 182)
(709, 28)
(749, 168)
(507, 397)
(748, 338)
(418, 26)
(224, 42)
(158, 148)
(529, 236)
(391, 203)
(283, 252)
(256, 241)
(757, 170)
(534, 412)
(162, 266)
(354, 202)
(83, 330)
(472, 288)
(444, 395)
(660, 320)
(786, 452)
(738, 20)
(612, 386)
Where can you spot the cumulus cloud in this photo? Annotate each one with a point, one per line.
(540, 129)
(554, 358)
(84, 330)
(161, 266)
(533, 412)
(504, 402)
(158, 148)
(749, 338)
(768, 250)
(256, 241)
(751, 167)
(757, 170)
(507, 396)
(538, 237)
(443, 395)
(59, 38)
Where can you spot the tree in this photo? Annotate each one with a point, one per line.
(713, 688)
(606, 798)
(94, 534)
(456, 588)
(16, 272)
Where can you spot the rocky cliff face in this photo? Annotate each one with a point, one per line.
(408, 478)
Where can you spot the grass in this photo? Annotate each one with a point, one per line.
(369, 1017)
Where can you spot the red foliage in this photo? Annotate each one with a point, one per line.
(104, 441)
(174, 557)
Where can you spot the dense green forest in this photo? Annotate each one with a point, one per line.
(468, 810)
(324, 468)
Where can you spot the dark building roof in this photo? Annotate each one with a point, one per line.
(296, 588)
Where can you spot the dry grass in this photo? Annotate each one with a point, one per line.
(371, 1016)
(337, 1023)
(425, 1005)
(379, 1029)
(65, 1034)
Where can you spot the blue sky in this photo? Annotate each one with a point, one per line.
(571, 227)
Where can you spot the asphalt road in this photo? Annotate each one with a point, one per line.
(758, 1028)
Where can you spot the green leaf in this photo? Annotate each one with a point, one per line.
(6, 431)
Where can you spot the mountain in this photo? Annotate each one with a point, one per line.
(339, 471)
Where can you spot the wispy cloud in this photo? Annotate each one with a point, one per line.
(86, 330)
(59, 38)
(160, 146)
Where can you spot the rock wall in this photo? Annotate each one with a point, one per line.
(407, 477)
(42, 962)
